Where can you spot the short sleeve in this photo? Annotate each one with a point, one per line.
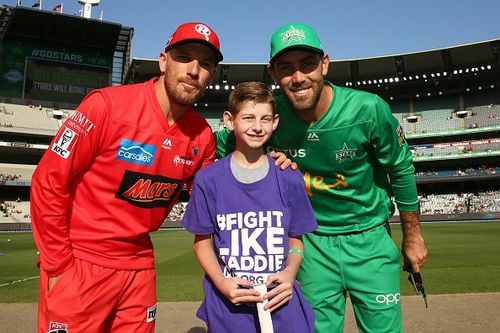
(197, 218)
(301, 212)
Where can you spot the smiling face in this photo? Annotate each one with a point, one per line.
(299, 73)
(188, 69)
(253, 124)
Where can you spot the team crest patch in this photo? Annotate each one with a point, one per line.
(55, 327)
(345, 153)
(293, 34)
(401, 135)
(151, 314)
(65, 142)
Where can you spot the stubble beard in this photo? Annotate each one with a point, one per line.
(179, 95)
(306, 103)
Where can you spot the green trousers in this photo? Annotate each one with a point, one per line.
(366, 266)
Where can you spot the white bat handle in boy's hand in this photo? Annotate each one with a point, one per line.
(265, 320)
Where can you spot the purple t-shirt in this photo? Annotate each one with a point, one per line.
(250, 224)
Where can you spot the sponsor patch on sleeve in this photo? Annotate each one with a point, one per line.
(65, 143)
(55, 327)
(151, 314)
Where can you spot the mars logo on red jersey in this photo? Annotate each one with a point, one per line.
(147, 191)
(57, 327)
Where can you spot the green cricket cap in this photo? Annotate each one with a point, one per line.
(294, 35)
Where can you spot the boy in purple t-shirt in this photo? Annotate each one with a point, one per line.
(248, 217)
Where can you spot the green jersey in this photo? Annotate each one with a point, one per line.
(353, 160)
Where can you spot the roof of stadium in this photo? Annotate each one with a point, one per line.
(447, 60)
(446, 69)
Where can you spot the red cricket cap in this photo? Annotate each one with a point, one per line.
(196, 32)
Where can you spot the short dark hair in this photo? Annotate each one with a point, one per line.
(252, 91)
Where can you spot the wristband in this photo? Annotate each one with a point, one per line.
(296, 250)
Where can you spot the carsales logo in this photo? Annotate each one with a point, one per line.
(388, 298)
(136, 152)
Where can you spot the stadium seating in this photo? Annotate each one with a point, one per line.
(445, 120)
(15, 211)
(421, 152)
(174, 219)
(485, 202)
(482, 171)
(483, 116)
(28, 118)
(435, 121)
(444, 204)
(16, 172)
(453, 203)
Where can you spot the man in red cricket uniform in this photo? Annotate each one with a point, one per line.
(109, 178)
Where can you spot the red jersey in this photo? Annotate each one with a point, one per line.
(110, 177)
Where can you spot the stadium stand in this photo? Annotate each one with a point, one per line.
(174, 219)
(443, 204)
(456, 149)
(483, 116)
(459, 203)
(452, 120)
(485, 202)
(15, 211)
(16, 172)
(467, 172)
(436, 121)
(28, 118)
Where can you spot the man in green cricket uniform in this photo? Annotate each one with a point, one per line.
(354, 157)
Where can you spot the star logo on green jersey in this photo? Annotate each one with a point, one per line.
(345, 154)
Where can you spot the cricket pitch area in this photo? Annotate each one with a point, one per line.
(446, 313)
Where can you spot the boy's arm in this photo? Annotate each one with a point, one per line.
(235, 289)
(286, 278)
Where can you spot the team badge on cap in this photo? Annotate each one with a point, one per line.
(203, 30)
(196, 32)
(293, 34)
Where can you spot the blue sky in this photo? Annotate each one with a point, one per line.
(348, 29)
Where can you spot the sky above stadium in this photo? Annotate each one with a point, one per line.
(349, 29)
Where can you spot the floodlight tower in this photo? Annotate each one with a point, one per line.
(87, 7)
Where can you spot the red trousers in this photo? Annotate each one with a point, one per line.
(90, 298)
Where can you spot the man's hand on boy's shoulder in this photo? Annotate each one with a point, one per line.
(282, 160)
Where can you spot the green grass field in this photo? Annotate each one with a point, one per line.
(463, 258)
